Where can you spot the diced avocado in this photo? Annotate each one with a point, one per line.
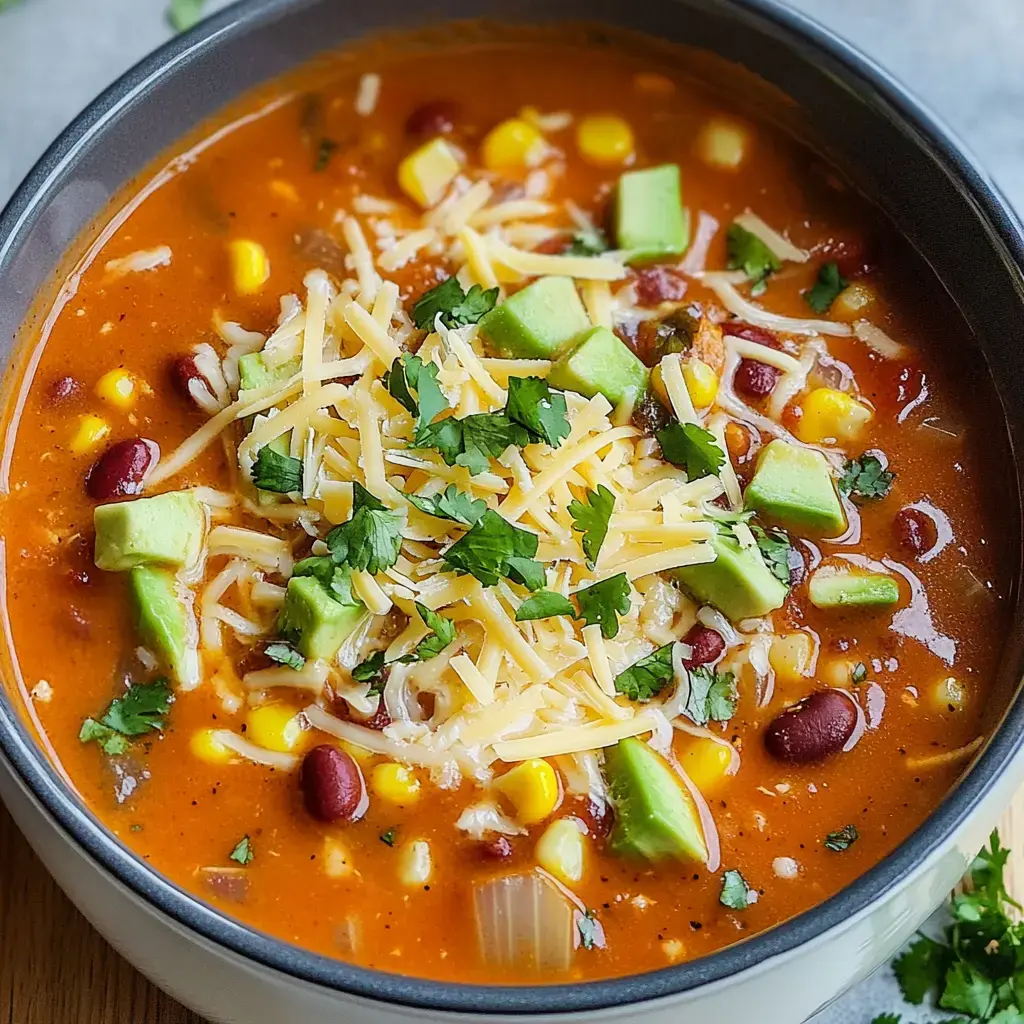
(253, 371)
(313, 620)
(794, 485)
(165, 530)
(831, 589)
(164, 621)
(737, 582)
(599, 363)
(650, 222)
(654, 815)
(537, 322)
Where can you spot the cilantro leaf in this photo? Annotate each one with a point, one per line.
(272, 471)
(336, 579)
(842, 839)
(140, 710)
(457, 307)
(712, 696)
(452, 504)
(734, 891)
(284, 654)
(866, 478)
(389, 836)
(692, 448)
(887, 1018)
(826, 289)
(485, 435)
(527, 572)
(588, 242)
(445, 437)
(591, 519)
(543, 605)
(243, 851)
(776, 550)
(182, 14)
(486, 550)
(921, 969)
(533, 405)
(371, 539)
(112, 743)
(748, 253)
(647, 677)
(859, 673)
(589, 930)
(371, 671)
(410, 372)
(967, 990)
(442, 633)
(603, 602)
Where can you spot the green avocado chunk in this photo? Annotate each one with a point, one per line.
(164, 621)
(655, 817)
(650, 222)
(314, 621)
(253, 371)
(794, 485)
(165, 530)
(537, 322)
(737, 582)
(829, 589)
(599, 363)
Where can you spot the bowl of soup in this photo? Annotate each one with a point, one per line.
(509, 518)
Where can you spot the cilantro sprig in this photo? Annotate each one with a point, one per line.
(371, 539)
(272, 471)
(842, 839)
(143, 708)
(372, 671)
(284, 654)
(826, 288)
(442, 633)
(410, 374)
(541, 411)
(588, 242)
(458, 308)
(544, 604)
(493, 549)
(646, 678)
(591, 519)
(776, 550)
(712, 696)
(452, 504)
(243, 852)
(692, 448)
(735, 891)
(748, 253)
(866, 478)
(599, 604)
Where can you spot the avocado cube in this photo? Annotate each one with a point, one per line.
(831, 589)
(165, 623)
(537, 322)
(794, 486)
(654, 814)
(314, 621)
(253, 371)
(650, 222)
(165, 530)
(599, 363)
(737, 582)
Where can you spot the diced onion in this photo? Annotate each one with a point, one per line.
(479, 819)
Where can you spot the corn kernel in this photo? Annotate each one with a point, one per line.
(604, 140)
(949, 695)
(707, 764)
(532, 789)
(90, 432)
(250, 267)
(426, 173)
(395, 783)
(853, 302)
(701, 382)
(205, 745)
(118, 388)
(274, 726)
(791, 656)
(830, 416)
(415, 864)
(722, 143)
(513, 145)
(337, 859)
(837, 672)
(284, 190)
(560, 850)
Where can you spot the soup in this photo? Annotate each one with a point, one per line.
(544, 510)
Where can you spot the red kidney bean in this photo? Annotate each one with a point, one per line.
(599, 817)
(756, 379)
(655, 285)
(435, 118)
(183, 371)
(748, 332)
(332, 785)
(853, 258)
(64, 389)
(498, 848)
(914, 530)
(812, 730)
(707, 645)
(120, 470)
(380, 719)
(649, 415)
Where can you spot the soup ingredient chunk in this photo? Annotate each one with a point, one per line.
(425, 174)
(333, 787)
(650, 222)
(599, 363)
(317, 620)
(121, 470)
(163, 618)
(168, 529)
(794, 485)
(819, 726)
(832, 589)
(538, 321)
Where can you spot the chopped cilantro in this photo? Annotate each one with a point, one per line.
(275, 472)
(859, 673)
(887, 1018)
(826, 288)
(603, 602)
(842, 839)
(712, 696)
(442, 633)
(243, 851)
(284, 654)
(142, 709)
(866, 478)
(543, 605)
(692, 448)
(473, 440)
(591, 519)
(486, 550)
(588, 242)
(324, 151)
(541, 411)
(410, 372)
(181, 14)
(734, 891)
(748, 253)
(647, 677)
(452, 504)
(371, 671)
(337, 579)
(589, 930)
(112, 743)
(457, 308)
(371, 539)
(776, 550)
(389, 836)
(527, 572)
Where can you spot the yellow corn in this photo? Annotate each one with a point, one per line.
(250, 267)
(949, 695)
(337, 859)
(284, 190)
(532, 789)
(560, 850)
(205, 745)
(118, 388)
(830, 416)
(722, 143)
(395, 783)
(790, 656)
(274, 726)
(853, 302)
(90, 432)
(415, 864)
(707, 763)
(837, 672)
(604, 140)
(701, 382)
(425, 174)
(512, 145)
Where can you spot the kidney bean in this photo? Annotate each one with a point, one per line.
(812, 730)
(598, 816)
(853, 258)
(748, 332)
(707, 645)
(649, 415)
(380, 719)
(120, 470)
(64, 389)
(914, 530)
(332, 785)
(655, 285)
(756, 379)
(435, 118)
(183, 371)
(498, 848)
